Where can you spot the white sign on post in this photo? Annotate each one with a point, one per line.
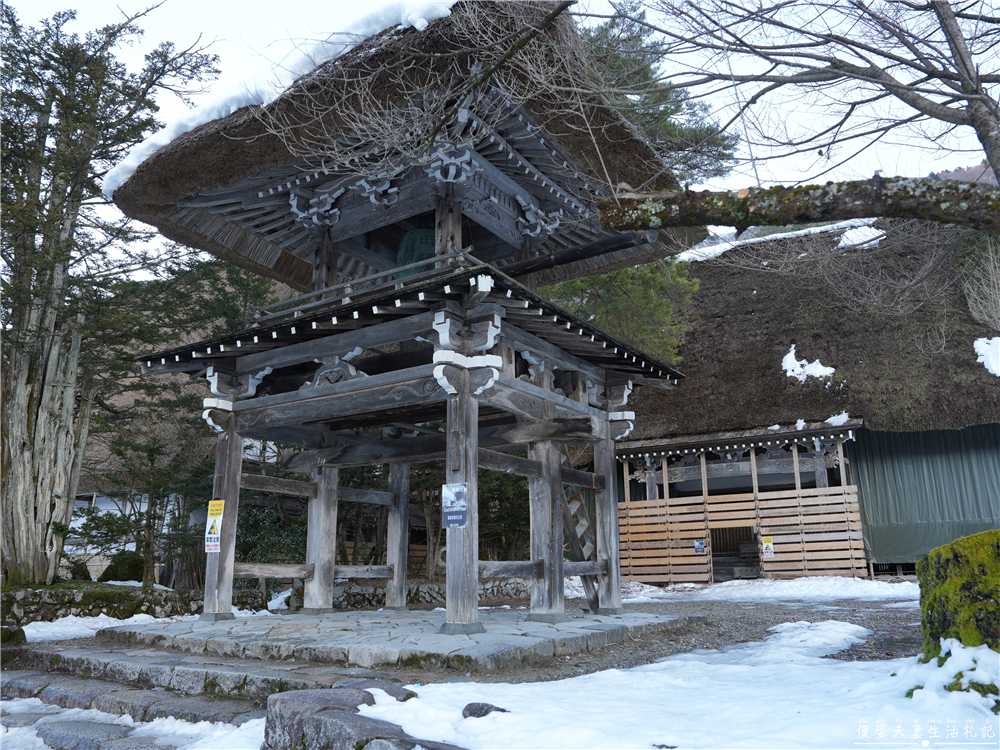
(213, 526)
(455, 505)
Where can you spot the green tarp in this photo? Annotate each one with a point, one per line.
(919, 490)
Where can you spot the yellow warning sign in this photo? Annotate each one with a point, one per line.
(767, 546)
(213, 526)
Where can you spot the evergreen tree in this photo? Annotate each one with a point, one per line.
(625, 59)
(642, 305)
(70, 110)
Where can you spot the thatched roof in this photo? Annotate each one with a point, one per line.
(584, 146)
(897, 373)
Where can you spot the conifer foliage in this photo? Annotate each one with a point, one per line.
(70, 110)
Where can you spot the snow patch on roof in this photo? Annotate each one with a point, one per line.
(989, 354)
(264, 87)
(838, 420)
(800, 424)
(713, 248)
(861, 237)
(802, 369)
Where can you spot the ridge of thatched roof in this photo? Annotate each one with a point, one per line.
(897, 373)
(599, 141)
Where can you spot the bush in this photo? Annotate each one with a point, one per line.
(78, 571)
(960, 593)
(125, 566)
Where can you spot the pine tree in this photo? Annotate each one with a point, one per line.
(70, 110)
(624, 58)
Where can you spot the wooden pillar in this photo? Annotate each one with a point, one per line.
(545, 496)
(321, 542)
(652, 493)
(226, 487)
(462, 582)
(609, 588)
(324, 264)
(398, 532)
(448, 225)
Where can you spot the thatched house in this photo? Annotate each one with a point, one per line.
(907, 422)
(355, 154)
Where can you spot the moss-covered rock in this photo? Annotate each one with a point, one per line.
(960, 593)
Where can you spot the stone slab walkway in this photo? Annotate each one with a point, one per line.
(390, 639)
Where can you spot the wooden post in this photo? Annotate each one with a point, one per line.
(545, 496)
(462, 576)
(448, 225)
(652, 493)
(609, 588)
(398, 532)
(708, 532)
(625, 471)
(226, 487)
(321, 542)
(844, 481)
(324, 264)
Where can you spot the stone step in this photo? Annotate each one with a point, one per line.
(150, 669)
(119, 698)
(326, 719)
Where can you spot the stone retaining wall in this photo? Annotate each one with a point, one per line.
(18, 608)
(359, 597)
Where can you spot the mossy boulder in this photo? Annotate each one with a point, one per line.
(125, 566)
(960, 593)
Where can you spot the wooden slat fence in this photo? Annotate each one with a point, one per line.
(816, 532)
(657, 541)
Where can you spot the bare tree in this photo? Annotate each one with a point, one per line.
(981, 281)
(863, 71)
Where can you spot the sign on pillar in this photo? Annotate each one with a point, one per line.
(455, 505)
(213, 526)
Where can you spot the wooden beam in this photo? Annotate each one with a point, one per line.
(391, 391)
(277, 485)
(525, 467)
(272, 570)
(363, 571)
(585, 568)
(359, 252)
(510, 569)
(530, 402)
(594, 249)
(521, 341)
(743, 468)
(381, 334)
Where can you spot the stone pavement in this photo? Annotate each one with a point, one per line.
(394, 639)
(324, 719)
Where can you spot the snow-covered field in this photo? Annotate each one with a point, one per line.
(777, 693)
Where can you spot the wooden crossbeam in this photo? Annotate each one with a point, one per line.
(272, 570)
(297, 487)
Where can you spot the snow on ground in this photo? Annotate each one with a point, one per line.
(73, 626)
(811, 589)
(778, 693)
(279, 600)
(989, 354)
(137, 584)
(204, 735)
(265, 87)
(802, 369)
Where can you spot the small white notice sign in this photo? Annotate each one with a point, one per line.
(455, 505)
(213, 526)
(766, 546)
(699, 546)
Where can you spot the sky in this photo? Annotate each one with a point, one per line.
(254, 35)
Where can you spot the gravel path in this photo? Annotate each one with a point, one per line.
(895, 634)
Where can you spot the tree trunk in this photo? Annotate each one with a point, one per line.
(894, 198)
(43, 437)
